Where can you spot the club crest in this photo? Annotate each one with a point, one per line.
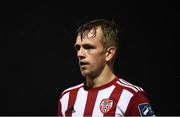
(106, 105)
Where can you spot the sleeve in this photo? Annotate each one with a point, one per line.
(59, 112)
(139, 105)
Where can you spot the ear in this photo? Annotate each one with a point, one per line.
(110, 53)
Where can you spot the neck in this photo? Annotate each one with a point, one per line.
(105, 77)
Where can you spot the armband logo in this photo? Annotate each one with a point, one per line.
(145, 109)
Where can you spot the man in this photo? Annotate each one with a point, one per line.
(103, 93)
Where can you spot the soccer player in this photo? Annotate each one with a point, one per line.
(102, 93)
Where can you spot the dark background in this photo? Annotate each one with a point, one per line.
(38, 60)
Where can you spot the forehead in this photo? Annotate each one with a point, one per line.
(92, 36)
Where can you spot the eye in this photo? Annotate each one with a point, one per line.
(86, 46)
(77, 47)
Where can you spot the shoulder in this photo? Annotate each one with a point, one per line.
(71, 89)
(137, 93)
(129, 86)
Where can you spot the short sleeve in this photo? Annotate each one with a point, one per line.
(139, 105)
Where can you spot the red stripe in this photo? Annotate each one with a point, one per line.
(115, 95)
(59, 109)
(91, 99)
(72, 99)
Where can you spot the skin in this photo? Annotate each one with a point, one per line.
(95, 61)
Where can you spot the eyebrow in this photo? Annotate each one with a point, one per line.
(84, 45)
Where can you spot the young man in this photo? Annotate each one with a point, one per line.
(103, 93)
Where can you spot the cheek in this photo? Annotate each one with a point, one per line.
(98, 60)
(96, 56)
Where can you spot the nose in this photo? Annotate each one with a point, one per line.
(81, 53)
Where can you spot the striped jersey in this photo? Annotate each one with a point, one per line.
(117, 98)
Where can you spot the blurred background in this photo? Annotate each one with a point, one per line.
(38, 60)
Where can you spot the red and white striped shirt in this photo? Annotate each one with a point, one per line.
(117, 98)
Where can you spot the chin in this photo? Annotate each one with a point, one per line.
(84, 73)
(90, 75)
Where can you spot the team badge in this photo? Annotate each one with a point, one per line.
(145, 109)
(106, 105)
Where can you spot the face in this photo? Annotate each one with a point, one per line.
(90, 53)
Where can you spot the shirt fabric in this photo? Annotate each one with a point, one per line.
(117, 98)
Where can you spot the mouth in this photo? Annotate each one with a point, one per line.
(83, 63)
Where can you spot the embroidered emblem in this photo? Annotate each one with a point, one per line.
(106, 105)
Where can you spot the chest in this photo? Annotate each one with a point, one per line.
(94, 103)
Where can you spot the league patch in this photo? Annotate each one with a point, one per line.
(106, 105)
(145, 109)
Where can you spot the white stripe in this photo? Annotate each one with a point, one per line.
(125, 82)
(64, 103)
(102, 94)
(123, 102)
(127, 86)
(77, 86)
(80, 103)
(141, 89)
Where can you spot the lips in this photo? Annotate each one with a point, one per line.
(82, 63)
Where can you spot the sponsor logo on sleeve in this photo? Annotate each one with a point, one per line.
(145, 109)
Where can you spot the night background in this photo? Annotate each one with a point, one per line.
(38, 60)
